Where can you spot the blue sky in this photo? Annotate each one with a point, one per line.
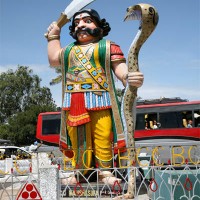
(170, 58)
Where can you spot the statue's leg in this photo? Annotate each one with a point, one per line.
(103, 151)
(80, 137)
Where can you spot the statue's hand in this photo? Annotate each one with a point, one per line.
(135, 79)
(53, 29)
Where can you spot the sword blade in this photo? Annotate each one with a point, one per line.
(75, 6)
(70, 10)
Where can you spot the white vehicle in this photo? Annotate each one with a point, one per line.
(14, 151)
(16, 158)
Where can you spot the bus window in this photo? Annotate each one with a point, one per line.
(150, 119)
(171, 120)
(187, 116)
(51, 124)
(145, 121)
(140, 122)
(197, 118)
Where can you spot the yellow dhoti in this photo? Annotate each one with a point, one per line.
(93, 137)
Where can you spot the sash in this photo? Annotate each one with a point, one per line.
(116, 115)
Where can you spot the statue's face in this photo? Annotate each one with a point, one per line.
(83, 22)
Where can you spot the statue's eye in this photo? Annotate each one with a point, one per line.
(88, 21)
(76, 23)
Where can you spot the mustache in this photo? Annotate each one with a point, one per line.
(94, 32)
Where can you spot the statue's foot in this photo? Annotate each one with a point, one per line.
(124, 196)
(111, 180)
(69, 181)
(108, 178)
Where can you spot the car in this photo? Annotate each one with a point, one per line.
(14, 152)
(16, 158)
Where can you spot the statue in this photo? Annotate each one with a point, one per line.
(90, 110)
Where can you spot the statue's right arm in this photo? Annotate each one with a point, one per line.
(54, 46)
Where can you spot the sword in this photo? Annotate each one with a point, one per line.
(70, 10)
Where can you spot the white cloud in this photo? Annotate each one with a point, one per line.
(4, 68)
(155, 91)
(37, 68)
(151, 92)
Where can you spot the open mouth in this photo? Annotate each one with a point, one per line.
(82, 33)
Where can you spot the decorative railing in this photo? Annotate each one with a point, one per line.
(162, 172)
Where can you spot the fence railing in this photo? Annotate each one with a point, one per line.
(168, 172)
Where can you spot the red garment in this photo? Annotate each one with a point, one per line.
(78, 115)
(116, 52)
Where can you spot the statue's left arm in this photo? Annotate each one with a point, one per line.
(120, 68)
(121, 72)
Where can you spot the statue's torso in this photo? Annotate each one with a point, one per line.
(78, 79)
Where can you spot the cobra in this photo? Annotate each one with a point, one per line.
(148, 17)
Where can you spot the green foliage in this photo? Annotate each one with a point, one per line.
(119, 92)
(21, 100)
(4, 131)
(58, 79)
(22, 127)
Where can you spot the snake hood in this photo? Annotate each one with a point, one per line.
(146, 13)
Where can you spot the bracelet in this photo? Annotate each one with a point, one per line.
(53, 37)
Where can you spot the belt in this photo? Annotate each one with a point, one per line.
(83, 87)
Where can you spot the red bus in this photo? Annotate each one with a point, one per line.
(156, 119)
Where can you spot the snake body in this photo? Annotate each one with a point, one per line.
(148, 17)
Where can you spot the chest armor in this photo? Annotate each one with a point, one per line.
(79, 77)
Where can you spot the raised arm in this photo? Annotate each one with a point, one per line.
(54, 46)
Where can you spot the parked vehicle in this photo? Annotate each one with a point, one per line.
(16, 158)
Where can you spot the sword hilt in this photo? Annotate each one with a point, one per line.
(60, 22)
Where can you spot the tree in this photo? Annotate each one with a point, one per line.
(22, 127)
(21, 100)
(19, 90)
(58, 79)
